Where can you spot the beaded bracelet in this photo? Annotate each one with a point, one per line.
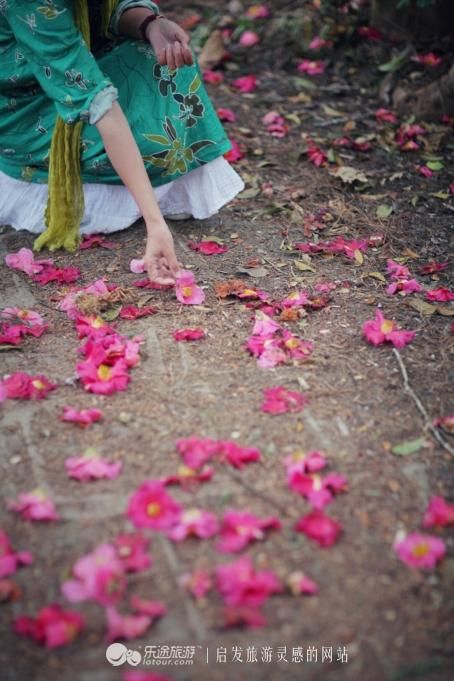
(144, 25)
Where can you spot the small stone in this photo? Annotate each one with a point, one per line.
(124, 417)
(15, 460)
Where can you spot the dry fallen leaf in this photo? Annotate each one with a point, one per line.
(212, 52)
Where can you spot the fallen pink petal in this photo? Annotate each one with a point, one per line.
(189, 334)
(89, 466)
(52, 627)
(35, 505)
(320, 528)
(151, 506)
(439, 513)
(279, 400)
(186, 289)
(381, 330)
(420, 550)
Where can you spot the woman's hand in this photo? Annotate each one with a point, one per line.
(160, 259)
(170, 43)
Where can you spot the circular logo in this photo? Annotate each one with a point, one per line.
(133, 657)
(116, 654)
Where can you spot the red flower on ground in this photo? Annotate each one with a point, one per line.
(11, 560)
(151, 506)
(34, 505)
(236, 153)
(440, 295)
(198, 583)
(226, 115)
(132, 550)
(82, 418)
(22, 386)
(299, 583)
(195, 523)
(189, 334)
(103, 379)
(213, 77)
(133, 312)
(208, 247)
(125, 627)
(90, 466)
(279, 400)
(52, 627)
(97, 576)
(186, 289)
(245, 84)
(438, 513)
(240, 528)
(381, 330)
(420, 550)
(319, 527)
(385, 116)
(94, 240)
(240, 584)
(61, 275)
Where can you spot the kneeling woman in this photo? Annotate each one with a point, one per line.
(86, 135)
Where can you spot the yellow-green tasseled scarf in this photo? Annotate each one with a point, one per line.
(65, 205)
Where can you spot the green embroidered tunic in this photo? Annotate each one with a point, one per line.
(46, 68)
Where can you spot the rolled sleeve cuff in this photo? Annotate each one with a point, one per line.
(129, 4)
(100, 105)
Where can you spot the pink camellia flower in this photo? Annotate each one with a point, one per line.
(420, 550)
(89, 466)
(22, 386)
(24, 261)
(236, 153)
(52, 627)
(317, 490)
(198, 583)
(396, 270)
(132, 550)
(82, 418)
(385, 116)
(440, 295)
(103, 379)
(319, 527)
(34, 505)
(11, 560)
(241, 585)
(249, 39)
(316, 155)
(404, 287)
(240, 528)
(186, 289)
(438, 513)
(258, 12)
(208, 247)
(155, 609)
(132, 312)
(311, 68)
(295, 299)
(137, 266)
(226, 115)
(312, 462)
(92, 326)
(189, 334)
(279, 400)
(18, 314)
(381, 330)
(151, 506)
(429, 59)
(109, 350)
(238, 456)
(61, 275)
(245, 84)
(96, 240)
(125, 627)
(97, 576)
(433, 267)
(299, 583)
(10, 335)
(264, 325)
(196, 523)
(213, 77)
(196, 451)
(188, 477)
(318, 43)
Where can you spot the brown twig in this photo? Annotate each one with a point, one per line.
(428, 425)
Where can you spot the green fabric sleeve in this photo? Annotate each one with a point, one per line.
(57, 55)
(123, 5)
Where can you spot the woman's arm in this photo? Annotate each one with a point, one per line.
(121, 148)
(169, 41)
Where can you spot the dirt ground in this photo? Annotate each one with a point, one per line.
(396, 623)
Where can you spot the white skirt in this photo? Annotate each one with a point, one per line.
(109, 208)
